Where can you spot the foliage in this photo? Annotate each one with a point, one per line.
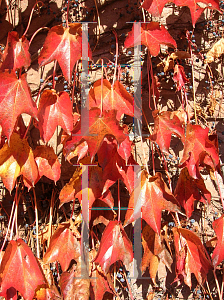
(96, 141)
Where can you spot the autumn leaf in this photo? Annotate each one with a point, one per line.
(47, 162)
(216, 51)
(168, 62)
(17, 159)
(155, 7)
(15, 99)
(191, 256)
(73, 189)
(189, 190)
(152, 36)
(118, 169)
(75, 286)
(63, 247)
(63, 44)
(154, 251)
(100, 125)
(199, 150)
(114, 246)
(115, 97)
(16, 54)
(99, 283)
(218, 253)
(19, 270)
(166, 124)
(54, 110)
(151, 197)
(179, 76)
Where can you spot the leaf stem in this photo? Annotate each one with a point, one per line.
(36, 217)
(36, 32)
(31, 15)
(67, 13)
(115, 70)
(119, 200)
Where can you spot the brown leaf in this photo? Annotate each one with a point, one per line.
(73, 285)
(216, 51)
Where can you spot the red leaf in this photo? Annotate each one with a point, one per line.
(63, 247)
(155, 7)
(152, 36)
(47, 163)
(20, 270)
(118, 169)
(99, 127)
(15, 99)
(73, 284)
(191, 256)
(113, 98)
(179, 76)
(17, 159)
(114, 246)
(16, 54)
(199, 150)
(99, 285)
(154, 251)
(65, 45)
(218, 254)
(151, 197)
(73, 189)
(54, 110)
(166, 124)
(189, 190)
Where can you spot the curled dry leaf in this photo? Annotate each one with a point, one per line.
(16, 54)
(152, 36)
(114, 246)
(168, 62)
(17, 159)
(19, 270)
(216, 51)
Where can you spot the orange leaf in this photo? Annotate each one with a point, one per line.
(191, 256)
(151, 196)
(113, 98)
(152, 36)
(189, 190)
(100, 125)
(15, 99)
(19, 270)
(54, 110)
(114, 246)
(17, 159)
(63, 44)
(63, 247)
